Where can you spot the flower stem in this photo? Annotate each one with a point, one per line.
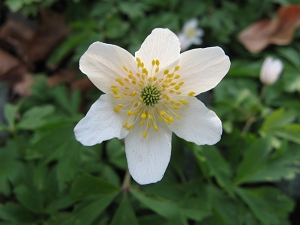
(251, 119)
(126, 181)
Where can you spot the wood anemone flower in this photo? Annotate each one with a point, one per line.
(149, 95)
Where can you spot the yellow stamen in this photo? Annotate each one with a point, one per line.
(145, 134)
(116, 109)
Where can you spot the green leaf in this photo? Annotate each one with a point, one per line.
(218, 167)
(254, 157)
(277, 119)
(116, 28)
(124, 214)
(225, 209)
(289, 132)
(10, 112)
(86, 186)
(15, 213)
(267, 204)
(116, 153)
(29, 197)
(35, 117)
(281, 165)
(68, 165)
(162, 207)
(87, 211)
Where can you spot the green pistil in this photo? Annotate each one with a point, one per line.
(150, 95)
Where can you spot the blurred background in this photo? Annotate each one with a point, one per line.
(250, 177)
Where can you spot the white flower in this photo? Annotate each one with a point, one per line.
(190, 34)
(148, 96)
(270, 70)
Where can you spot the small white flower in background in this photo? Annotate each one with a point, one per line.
(270, 70)
(148, 96)
(190, 35)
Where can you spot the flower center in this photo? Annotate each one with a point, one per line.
(150, 95)
(191, 33)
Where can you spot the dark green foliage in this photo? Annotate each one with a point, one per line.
(47, 177)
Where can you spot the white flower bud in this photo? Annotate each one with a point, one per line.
(270, 70)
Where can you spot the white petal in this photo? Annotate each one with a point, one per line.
(148, 157)
(101, 123)
(161, 44)
(197, 123)
(185, 42)
(190, 24)
(202, 69)
(103, 63)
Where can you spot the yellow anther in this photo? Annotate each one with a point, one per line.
(141, 84)
(166, 72)
(129, 127)
(142, 122)
(149, 125)
(177, 87)
(162, 113)
(138, 59)
(177, 76)
(155, 127)
(160, 119)
(115, 90)
(157, 69)
(129, 113)
(144, 70)
(173, 83)
(133, 82)
(136, 105)
(181, 83)
(143, 77)
(166, 97)
(155, 78)
(178, 93)
(177, 116)
(165, 84)
(117, 96)
(141, 99)
(192, 93)
(120, 106)
(150, 116)
(126, 79)
(138, 75)
(125, 68)
(171, 91)
(170, 75)
(177, 68)
(150, 79)
(143, 116)
(125, 93)
(125, 124)
(116, 109)
(171, 118)
(169, 112)
(113, 86)
(153, 62)
(157, 62)
(175, 107)
(167, 121)
(145, 134)
(177, 104)
(142, 65)
(166, 103)
(183, 101)
(133, 93)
